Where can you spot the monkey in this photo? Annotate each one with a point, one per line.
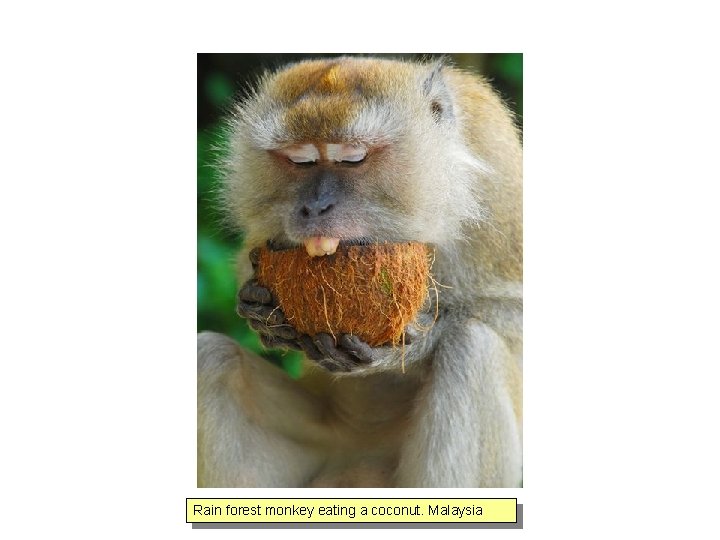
(356, 150)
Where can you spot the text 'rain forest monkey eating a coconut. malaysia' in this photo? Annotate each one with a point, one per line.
(381, 203)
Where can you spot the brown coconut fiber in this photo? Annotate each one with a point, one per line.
(371, 291)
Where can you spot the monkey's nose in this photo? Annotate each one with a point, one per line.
(317, 208)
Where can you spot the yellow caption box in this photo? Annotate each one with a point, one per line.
(351, 510)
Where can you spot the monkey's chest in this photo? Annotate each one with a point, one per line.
(367, 471)
(365, 421)
(367, 438)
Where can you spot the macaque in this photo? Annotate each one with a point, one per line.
(357, 151)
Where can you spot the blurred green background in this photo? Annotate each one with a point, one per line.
(222, 79)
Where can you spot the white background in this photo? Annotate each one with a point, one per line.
(98, 276)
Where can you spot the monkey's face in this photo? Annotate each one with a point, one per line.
(346, 192)
(350, 150)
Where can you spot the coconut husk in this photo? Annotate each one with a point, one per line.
(371, 291)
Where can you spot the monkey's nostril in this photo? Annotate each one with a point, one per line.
(316, 209)
(326, 209)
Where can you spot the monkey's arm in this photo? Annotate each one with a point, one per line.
(466, 428)
(352, 354)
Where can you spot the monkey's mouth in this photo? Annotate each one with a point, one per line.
(317, 246)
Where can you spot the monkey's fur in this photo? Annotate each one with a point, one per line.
(440, 162)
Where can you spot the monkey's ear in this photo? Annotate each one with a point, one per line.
(438, 94)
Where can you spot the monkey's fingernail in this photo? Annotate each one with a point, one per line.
(317, 246)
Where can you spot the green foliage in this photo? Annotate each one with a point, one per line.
(511, 65)
(219, 89)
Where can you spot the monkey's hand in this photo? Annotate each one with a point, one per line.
(257, 305)
(349, 353)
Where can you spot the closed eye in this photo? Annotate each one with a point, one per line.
(301, 154)
(302, 163)
(346, 153)
(352, 159)
(307, 155)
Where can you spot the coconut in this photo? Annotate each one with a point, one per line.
(371, 291)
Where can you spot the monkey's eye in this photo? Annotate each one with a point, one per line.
(346, 153)
(303, 162)
(301, 154)
(353, 159)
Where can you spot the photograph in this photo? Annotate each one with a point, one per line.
(364, 246)
(359, 270)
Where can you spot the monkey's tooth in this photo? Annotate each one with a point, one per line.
(317, 246)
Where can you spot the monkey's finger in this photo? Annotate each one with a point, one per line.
(271, 316)
(308, 345)
(357, 348)
(252, 292)
(326, 345)
(283, 331)
(309, 348)
(255, 312)
(274, 342)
